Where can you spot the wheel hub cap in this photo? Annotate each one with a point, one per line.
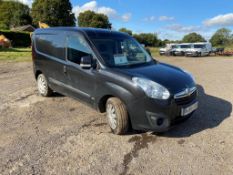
(41, 85)
(111, 114)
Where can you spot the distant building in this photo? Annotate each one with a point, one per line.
(26, 28)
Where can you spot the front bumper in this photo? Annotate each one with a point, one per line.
(192, 53)
(168, 52)
(159, 116)
(178, 53)
(162, 52)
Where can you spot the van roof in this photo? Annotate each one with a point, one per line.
(202, 43)
(185, 44)
(87, 30)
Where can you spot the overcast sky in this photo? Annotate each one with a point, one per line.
(168, 18)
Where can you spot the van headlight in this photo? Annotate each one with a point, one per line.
(152, 89)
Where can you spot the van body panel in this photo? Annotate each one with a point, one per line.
(199, 49)
(164, 74)
(51, 66)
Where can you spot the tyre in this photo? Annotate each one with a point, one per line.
(42, 85)
(117, 115)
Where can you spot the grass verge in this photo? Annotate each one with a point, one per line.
(154, 51)
(15, 54)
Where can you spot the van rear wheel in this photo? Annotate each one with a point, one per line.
(42, 85)
(117, 115)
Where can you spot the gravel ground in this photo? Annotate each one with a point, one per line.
(59, 135)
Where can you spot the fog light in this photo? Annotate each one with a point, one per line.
(157, 121)
(160, 121)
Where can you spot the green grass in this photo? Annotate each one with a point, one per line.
(154, 51)
(15, 54)
(229, 47)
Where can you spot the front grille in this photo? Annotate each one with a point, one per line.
(186, 99)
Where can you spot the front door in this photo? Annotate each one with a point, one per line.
(81, 81)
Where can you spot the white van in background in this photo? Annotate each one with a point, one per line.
(199, 49)
(181, 49)
(168, 49)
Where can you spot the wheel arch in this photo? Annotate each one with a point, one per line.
(37, 73)
(113, 90)
(102, 103)
(101, 107)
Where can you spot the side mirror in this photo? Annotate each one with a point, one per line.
(86, 62)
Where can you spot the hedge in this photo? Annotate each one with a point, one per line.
(18, 39)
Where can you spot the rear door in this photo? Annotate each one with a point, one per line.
(81, 81)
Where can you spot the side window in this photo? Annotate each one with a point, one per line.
(77, 48)
(51, 44)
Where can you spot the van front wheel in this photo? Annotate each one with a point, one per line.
(42, 85)
(117, 115)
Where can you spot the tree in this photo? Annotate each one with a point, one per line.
(149, 39)
(13, 14)
(193, 38)
(92, 19)
(53, 12)
(221, 37)
(124, 30)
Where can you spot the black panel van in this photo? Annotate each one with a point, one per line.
(113, 73)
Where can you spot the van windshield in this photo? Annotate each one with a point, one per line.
(174, 46)
(124, 51)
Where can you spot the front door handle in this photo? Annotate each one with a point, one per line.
(64, 69)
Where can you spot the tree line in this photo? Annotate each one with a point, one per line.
(221, 38)
(59, 13)
(52, 12)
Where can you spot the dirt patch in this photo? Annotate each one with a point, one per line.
(181, 141)
(59, 135)
(140, 142)
(100, 124)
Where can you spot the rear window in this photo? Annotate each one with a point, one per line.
(51, 44)
(199, 46)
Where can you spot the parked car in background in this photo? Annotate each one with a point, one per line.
(199, 49)
(168, 49)
(181, 49)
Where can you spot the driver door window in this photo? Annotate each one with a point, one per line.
(77, 47)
